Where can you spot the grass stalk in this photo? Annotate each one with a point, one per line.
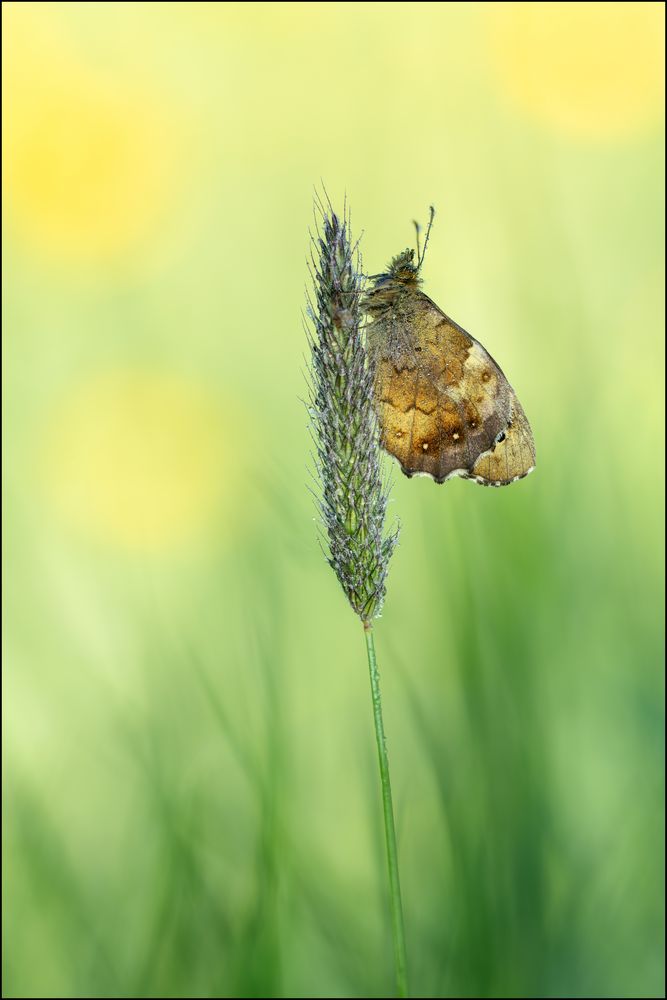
(398, 930)
(352, 493)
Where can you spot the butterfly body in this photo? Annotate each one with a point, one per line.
(445, 407)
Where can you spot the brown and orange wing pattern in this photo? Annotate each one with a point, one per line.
(445, 407)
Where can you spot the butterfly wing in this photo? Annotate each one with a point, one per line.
(511, 458)
(445, 407)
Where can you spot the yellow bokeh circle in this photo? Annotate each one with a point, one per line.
(591, 70)
(143, 460)
(90, 161)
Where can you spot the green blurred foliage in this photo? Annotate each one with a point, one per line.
(191, 797)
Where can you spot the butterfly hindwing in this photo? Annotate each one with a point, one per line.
(445, 407)
(512, 457)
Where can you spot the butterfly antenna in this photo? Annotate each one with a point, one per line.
(418, 230)
(420, 256)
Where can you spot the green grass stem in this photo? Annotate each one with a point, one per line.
(398, 930)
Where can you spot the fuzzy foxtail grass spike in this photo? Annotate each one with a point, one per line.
(352, 491)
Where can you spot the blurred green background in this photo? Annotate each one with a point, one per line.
(191, 798)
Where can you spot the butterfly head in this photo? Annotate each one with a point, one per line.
(402, 268)
(400, 278)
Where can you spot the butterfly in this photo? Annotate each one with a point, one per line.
(445, 407)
